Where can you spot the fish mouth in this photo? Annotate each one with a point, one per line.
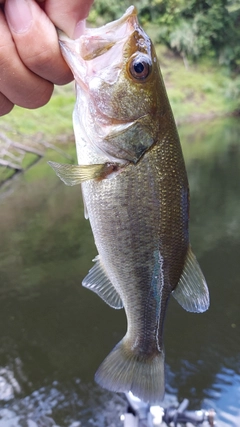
(104, 37)
(92, 51)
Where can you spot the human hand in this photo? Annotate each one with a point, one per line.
(30, 58)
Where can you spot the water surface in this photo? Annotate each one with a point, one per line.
(54, 333)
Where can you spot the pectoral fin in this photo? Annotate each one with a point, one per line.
(98, 282)
(75, 174)
(192, 291)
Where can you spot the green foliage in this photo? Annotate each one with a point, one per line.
(192, 28)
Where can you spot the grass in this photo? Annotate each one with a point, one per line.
(52, 120)
(198, 91)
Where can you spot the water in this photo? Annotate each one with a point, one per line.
(54, 333)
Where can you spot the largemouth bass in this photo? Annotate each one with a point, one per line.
(135, 191)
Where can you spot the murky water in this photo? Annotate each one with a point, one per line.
(54, 333)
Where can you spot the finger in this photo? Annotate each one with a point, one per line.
(36, 40)
(17, 83)
(5, 105)
(69, 15)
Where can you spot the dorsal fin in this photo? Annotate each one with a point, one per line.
(192, 291)
(98, 282)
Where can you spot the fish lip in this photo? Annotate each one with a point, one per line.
(101, 38)
(131, 12)
(129, 16)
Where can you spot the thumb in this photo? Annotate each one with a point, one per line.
(68, 15)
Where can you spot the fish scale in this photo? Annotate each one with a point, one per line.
(140, 217)
(135, 192)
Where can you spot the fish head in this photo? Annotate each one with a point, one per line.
(118, 83)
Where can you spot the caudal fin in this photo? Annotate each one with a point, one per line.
(124, 371)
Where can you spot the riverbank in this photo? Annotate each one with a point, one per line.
(196, 92)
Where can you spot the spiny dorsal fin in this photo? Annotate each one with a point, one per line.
(75, 174)
(98, 282)
(192, 291)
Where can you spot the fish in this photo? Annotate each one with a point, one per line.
(136, 196)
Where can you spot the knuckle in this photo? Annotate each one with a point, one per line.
(5, 105)
(40, 58)
(39, 96)
(49, 64)
(5, 53)
(64, 78)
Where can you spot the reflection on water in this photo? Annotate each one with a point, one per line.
(54, 333)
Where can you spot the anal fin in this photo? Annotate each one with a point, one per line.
(98, 282)
(192, 291)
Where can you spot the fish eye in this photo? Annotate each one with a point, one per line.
(140, 68)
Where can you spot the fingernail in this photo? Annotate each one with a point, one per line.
(19, 15)
(79, 29)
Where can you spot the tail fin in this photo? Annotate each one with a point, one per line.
(124, 371)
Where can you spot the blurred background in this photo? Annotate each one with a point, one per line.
(54, 333)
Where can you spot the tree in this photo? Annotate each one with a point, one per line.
(192, 28)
